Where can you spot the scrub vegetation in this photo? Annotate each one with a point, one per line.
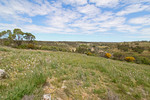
(139, 50)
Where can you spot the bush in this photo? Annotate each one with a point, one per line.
(45, 48)
(7, 43)
(123, 47)
(136, 43)
(142, 60)
(3, 49)
(107, 55)
(89, 54)
(149, 49)
(129, 59)
(138, 49)
(54, 48)
(118, 56)
(30, 46)
(23, 46)
(82, 49)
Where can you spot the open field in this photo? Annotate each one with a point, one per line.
(71, 76)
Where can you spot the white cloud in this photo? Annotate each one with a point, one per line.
(116, 21)
(89, 10)
(8, 13)
(46, 29)
(4, 26)
(105, 3)
(60, 18)
(145, 20)
(84, 26)
(104, 17)
(30, 8)
(134, 1)
(73, 16)
(132, 9)
(75, 2)
(40, 29)
(18, 8)
(145, 31)
(127, 28)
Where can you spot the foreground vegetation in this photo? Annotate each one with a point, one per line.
(71, 76)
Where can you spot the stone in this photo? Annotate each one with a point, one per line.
(64, 87)
(26, 97)
(47, 97)
(2, 74)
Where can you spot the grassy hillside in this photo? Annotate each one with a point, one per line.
(71, 76)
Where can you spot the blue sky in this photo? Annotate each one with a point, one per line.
(78, 20)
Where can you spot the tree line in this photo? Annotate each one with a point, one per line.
(16, 37)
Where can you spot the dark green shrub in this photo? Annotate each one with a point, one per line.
(123, 47)
(138, 49)
(149, 49)
(63, 49)
(83, 49)
(30, 46)
(45, 48)
(7, 43)
(54, 48)
(142, 60)
(136, 43)
(118, 56)
(3, 49)
(23, 46)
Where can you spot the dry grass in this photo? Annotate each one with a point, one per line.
(71, 76)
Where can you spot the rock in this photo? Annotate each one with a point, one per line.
(26, 97)
(112, 96)
(47, 97)
(64, 87)
(2, 74)
(59, 98)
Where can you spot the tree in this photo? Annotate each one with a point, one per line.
(29, 37)
(2, 34)
(6, 34)
(9, 35)
(18, 36)
(6, 37)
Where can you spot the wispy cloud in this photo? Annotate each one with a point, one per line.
(105, 3)
(144, 20)
(7, 26)
(75, 2)
(132, 9)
